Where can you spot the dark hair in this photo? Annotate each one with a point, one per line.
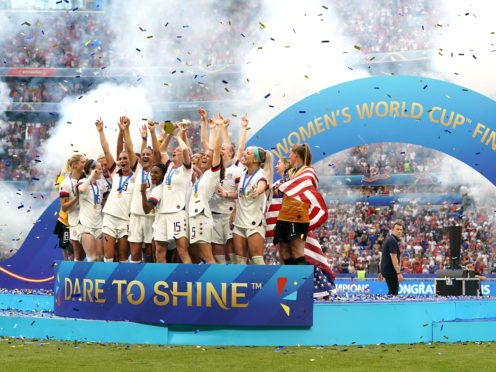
(162, 167)
(89, 165)
(398, 222)
(303, 151)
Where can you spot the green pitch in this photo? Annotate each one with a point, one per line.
(43, 355)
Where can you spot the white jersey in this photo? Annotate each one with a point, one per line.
(229, 184)
(119, 200)
(68, 189)
(142, 176)
(90, 213)
(203, 190)
(250, 210)
(176, 184)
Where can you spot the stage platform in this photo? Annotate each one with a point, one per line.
(335, 323)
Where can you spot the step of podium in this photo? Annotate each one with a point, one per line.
(442, 320)
(461, 330)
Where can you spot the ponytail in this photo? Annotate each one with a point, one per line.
(267, 165)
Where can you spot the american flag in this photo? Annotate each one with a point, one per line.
(304, 188)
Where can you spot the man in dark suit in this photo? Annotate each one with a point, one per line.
(390, 259)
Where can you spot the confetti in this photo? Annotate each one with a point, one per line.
(357, 47)
(139, 50)
(325, 41)
(261, 24)
(267, 95)
(302, 112)
(26, 23)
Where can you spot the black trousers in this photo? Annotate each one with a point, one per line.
(393, 284)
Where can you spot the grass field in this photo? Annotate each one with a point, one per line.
(43, 355)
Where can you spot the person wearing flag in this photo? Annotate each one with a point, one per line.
(299, 210)
(300, 195)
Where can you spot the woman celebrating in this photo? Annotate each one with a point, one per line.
(224, 201)
(69, 197)
(91, 199)
(199, 214)
(140, 223)
(118, 206)
(249, 227)
(293, 220)
(172, 220)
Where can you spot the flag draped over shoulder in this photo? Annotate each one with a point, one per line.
(303, 187)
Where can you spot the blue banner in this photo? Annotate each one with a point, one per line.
(420, 287)
(233, 295)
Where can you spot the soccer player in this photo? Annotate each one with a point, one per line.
(249, 215)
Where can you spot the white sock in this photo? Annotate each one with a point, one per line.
(105, 259)
(134, 262)
(240, 260)
(90, 259)
(125, 261)
(232, 257)
(258, 260)
(221, 259)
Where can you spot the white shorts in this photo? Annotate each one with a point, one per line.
(97, 233)
(75, 233)
(249, 231)
(114, 226)
(170, 226)
(200, 229)
(140, 229)
(221, 231)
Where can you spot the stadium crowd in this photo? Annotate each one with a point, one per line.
(352, 236)
(19, 149)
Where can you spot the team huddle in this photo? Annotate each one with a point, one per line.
(169, 204)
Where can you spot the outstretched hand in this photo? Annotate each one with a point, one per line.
(99, 124)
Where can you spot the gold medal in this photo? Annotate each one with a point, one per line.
(169, 187)
(119, 195)
(196, 194)
(94, 206)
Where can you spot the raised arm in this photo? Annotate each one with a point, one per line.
(120, 142)
(203, 129)
(225, 131)
(144, 137)
(217, 144)
(124, 123)
(155, 145)
(184, 147)
(242, 138)
(103, 141)
(164, 155)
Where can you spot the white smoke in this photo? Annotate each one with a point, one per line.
(300, 51)
(465, 45)
(76, 130)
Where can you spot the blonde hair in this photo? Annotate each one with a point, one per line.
(74, 158)
(267, 165)
(67, 167)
